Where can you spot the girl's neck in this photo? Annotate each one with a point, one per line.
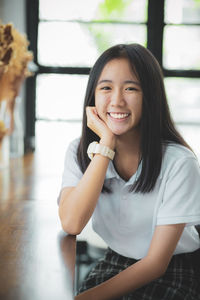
(128, 143)
(128, 155)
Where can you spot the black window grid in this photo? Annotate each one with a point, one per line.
(155, 27)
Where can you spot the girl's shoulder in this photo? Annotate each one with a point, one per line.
(73, 145)
(173, 151)
(71, 151)
(178, 157)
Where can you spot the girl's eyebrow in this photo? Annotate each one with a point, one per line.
(132, 81)
(104, 80)
(126, 81)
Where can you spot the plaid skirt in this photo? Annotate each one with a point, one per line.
(181, 281)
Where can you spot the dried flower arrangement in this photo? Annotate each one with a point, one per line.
(14, 59)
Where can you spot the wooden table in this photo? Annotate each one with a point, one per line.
(37, 259)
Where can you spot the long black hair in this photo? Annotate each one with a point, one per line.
(156, 125)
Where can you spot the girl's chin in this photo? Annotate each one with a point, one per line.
(123, 131)
(118, 131)
(118, 128)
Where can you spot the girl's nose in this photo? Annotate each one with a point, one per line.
(117, 98)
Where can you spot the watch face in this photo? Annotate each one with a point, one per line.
(91, 149)
(91, 155)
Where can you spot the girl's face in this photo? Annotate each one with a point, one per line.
(118, 97)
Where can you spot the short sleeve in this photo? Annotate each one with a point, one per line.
(181, 199)
(72, 172)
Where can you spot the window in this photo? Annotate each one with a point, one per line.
(79, 31)
(181, 62)
(67, 39)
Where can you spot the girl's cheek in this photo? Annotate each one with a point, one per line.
(101, 103)
(97, 109)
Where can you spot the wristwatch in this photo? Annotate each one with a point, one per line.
(96, 148)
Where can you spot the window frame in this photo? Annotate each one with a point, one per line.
(155, 28)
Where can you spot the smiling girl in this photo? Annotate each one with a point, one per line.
(134, 174)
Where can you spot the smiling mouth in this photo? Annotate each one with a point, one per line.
(118, 116)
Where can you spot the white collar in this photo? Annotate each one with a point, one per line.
(112, 173)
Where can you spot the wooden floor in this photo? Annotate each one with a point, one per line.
(36, 258)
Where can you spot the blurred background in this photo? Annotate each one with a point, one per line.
(66, 38)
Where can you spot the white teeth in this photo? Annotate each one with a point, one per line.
(118, 116)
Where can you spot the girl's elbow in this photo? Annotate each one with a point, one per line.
(157, 268)
(71, 228)
(70, 223)
(160, 270)
(67, 225)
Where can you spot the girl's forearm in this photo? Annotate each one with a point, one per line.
(77, 207)
(152, 266)
(127, 281)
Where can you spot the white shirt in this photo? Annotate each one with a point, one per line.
(126, 220)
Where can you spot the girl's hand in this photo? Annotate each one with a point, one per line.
(99, 127)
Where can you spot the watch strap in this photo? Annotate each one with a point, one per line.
(96, 148)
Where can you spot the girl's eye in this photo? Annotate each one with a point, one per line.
(105, 88)
(130, 88)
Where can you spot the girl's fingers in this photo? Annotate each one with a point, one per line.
(94, 122)
(92, 114)
(90, 110)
